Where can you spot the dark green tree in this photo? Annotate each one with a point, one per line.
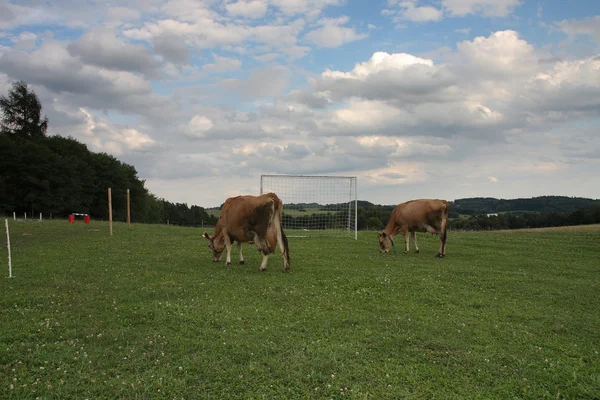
(22, 112)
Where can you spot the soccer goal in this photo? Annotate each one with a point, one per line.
(315, 203)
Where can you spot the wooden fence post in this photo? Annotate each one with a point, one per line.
(128, 211)
(109, 212)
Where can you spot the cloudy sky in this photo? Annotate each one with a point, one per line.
(424, 98)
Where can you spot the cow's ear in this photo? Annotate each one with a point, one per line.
(206, 235)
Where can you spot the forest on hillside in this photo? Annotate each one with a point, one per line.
(491, 213)
(56, 176)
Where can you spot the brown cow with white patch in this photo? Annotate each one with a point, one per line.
(416, 216)
(250, 219)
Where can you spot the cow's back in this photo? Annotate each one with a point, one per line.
(417, 214)
(244, 214)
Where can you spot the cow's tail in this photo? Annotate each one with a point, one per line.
(444, 227)
(281, 238)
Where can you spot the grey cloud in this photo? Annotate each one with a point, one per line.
(414, 84)
(309, 99)
(6, 15)
(296, 151)
(172, 47)
(101, 47)
(52, 67)
(263, 82)
(317, 158)
(568, 98)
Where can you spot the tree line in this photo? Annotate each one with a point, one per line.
(587, 216)
(54, 175)
(475, 213)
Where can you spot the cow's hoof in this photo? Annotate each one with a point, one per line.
(242, 262)
(286, 269)
(406, 252)
(227, 263)
(262, 269)
(417, 251)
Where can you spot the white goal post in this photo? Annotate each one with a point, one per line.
(312, 203)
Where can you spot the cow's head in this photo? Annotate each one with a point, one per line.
(216, 245)
(385, 242)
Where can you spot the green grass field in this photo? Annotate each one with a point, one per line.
(145, 314)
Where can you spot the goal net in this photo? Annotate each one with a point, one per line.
(315, 203)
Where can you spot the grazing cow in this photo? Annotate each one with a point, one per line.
(250, 219)
(416, 216)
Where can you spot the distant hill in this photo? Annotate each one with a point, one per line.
(488, 205)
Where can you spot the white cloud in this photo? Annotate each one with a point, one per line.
(25, 41)
(397, 77)
(266, 58)
(104, 137)
(410, 11)
(208, 33)
(333, 34)
(587, 26)
(501, 55)
(247, 8)
(569, 88)
(222, 64)
(198, 126)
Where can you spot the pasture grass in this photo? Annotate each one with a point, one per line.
(145, 314)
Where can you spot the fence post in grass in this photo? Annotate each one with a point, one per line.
(25, 216)
(128, 211)
(109, 212)
(40, 216)
(14, 216)
(8, 246)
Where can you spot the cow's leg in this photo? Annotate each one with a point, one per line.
(228, 248)
(241, 256)
(284, 247)
(414, 238)
(406, 242)
(263, 265)
(442, 251)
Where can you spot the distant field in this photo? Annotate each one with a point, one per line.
(559, 229)
(145, 314)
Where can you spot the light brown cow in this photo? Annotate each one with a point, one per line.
(416, 216)
(250, 219)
